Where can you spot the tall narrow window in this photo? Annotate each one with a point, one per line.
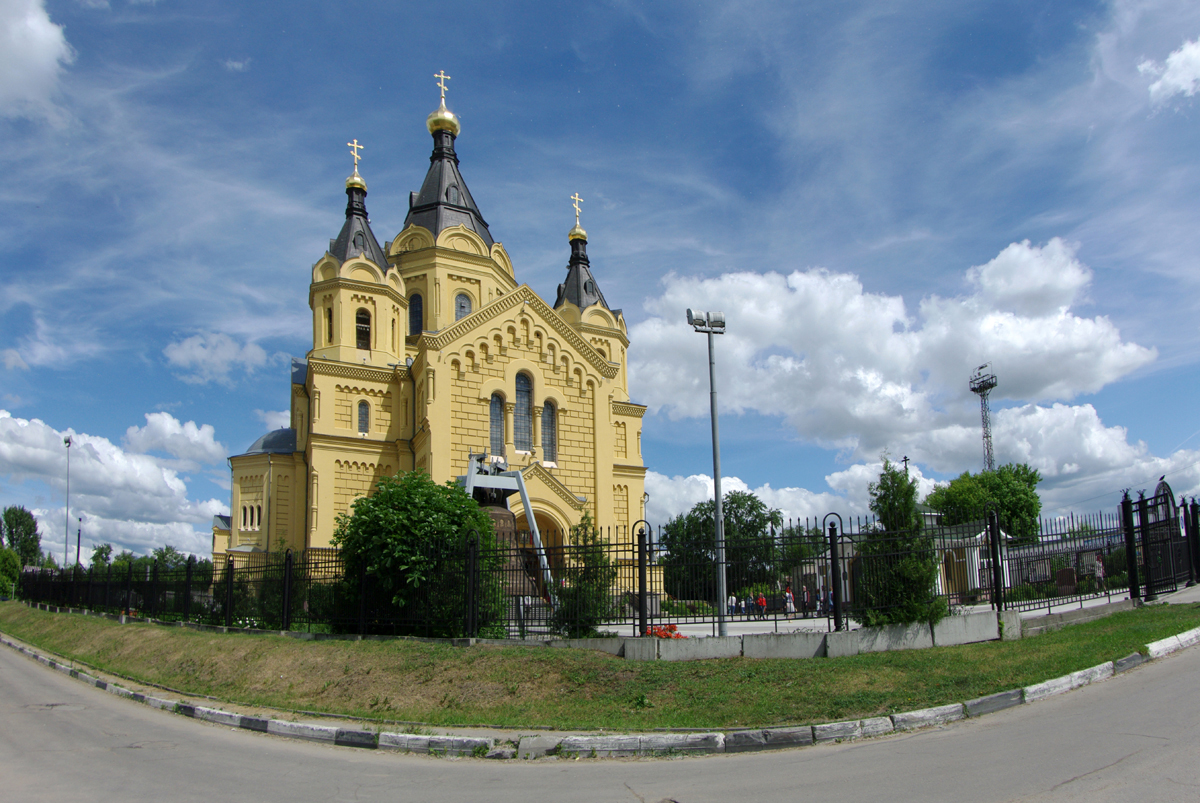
(328, 325)
(496, 413)
(523, 415)
(244, 524)
(549, 433)
(416, 315)
(462, 306)
(364, 417)
(362, 322)
(258, 516)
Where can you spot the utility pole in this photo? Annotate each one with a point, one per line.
(713, 323)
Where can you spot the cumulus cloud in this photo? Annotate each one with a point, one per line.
(211, 357)
(192, 445)
(1179, 76)
(33, 51)
(128, 499)
(852, 369)
(274, 419)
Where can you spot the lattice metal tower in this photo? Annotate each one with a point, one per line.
(982, 382)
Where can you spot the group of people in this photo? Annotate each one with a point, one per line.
(808, 603)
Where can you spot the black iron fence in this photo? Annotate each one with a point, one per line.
(826, 574)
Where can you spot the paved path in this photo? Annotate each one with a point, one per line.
(1135, 736)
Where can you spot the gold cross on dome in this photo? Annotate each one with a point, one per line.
(442, 79)
(355, 147)
(577, 201)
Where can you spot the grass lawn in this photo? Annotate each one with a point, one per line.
(523, 687)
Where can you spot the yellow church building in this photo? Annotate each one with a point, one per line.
(427, 350)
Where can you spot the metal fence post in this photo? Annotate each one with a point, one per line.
(91, 574)
(1147, 558)
(835, 575)
(229, 592)
(1193, 514)
(286, 616)
(107, 583)
(993, 523)
(153, 606)
(643, 629)
(362, 599)
(187, 589)
(129, 589)
(1135, 591)
(471, 613)
(1189, 536)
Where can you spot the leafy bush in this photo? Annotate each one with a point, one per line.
(408, 539)
(1023, 593)
(10, 570)
(585, 598)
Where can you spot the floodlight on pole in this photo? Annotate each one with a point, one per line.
(67, 514)
(713, 323)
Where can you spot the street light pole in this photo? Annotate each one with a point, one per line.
(67, 515)
(713, 323)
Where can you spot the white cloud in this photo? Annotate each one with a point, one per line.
(1179, 76)
(274, 419)
(210, 357)
(852, 369)
(1031, 280)
(189, 443)
(33, 51)
(236, 66)
(12, 359)
(129, 499)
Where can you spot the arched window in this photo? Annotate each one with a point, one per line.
(258, 517)
(496, 413)
(523, 415)
(416, 315)
(462, 306)
(362, 322)
(328, 325)
(243, 517)
(364, 417)
(549, 433)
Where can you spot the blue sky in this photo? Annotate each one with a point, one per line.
(880, 198)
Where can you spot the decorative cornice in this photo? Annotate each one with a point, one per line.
(364, 373)
(553, 483)
(628, 408)
(524, 294)
(339, 282)
(604, 331)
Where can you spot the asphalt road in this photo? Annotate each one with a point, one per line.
(1134, 737)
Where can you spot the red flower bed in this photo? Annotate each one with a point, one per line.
(664, 631)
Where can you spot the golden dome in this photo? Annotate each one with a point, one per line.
(442, 119)
(356, 181)
(577, 233)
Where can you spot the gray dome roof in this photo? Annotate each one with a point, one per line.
(279, 441)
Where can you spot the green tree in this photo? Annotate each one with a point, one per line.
(168, 557)
(101, 555)
(21, 532)
(1011, 490)
(585, 598)
(896, 565)
(10, 571)
(409, 538)
(690, 543)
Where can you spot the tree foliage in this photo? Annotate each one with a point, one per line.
(10, 571)
(584, 599)
(896, 564)
(1011, 490)
(21, 534)
(689, 539)
(101, 555)
(409, 538)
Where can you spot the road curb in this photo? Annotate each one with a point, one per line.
(630, 745)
